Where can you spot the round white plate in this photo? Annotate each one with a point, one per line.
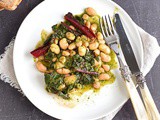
(31, 81)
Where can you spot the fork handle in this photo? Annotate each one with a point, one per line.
(133, 93)
(149, 103)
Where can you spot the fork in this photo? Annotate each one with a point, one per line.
(112, 40)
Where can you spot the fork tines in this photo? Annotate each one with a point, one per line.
(107, 25)
(108, 29)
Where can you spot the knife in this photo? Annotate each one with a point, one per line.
(128, 53)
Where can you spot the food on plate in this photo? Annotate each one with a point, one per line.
(74, 56)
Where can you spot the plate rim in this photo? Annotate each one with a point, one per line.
(138, 35)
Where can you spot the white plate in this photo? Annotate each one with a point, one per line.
(31, 81)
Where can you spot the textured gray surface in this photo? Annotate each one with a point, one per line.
(13, 106)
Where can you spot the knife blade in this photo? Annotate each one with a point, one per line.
(126, 47)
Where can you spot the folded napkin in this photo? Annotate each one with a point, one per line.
(151, 52)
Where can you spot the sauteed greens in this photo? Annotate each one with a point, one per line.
(74, 56)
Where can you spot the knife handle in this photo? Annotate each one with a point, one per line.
(133, 93)
(151, 108)
(136, 101)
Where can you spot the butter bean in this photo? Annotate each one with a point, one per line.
(62, 59)
(58, 65)
(79, 43)
(85, 17)
(55, 48)
(65, 53)
(70, 36)
(63, 71)
(88, 24)
(41, 67)
(101, 70)
(104, 48)
(104, 57)
(97, 63)
(96, 85)
(63, 43)
(90, 11)
(82, 51)
(104, 76)
(72, 27)
(96, 52)
(54, 59)
(72, 52)
(93, 46)
(94, 27)
(66, 71)
(41, 58)
(106, 67)
(72, 46)
(99, 36)
(86, 44)
(61, 87)
(70, 79)
(101, 41)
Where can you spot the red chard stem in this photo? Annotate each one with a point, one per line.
(69, 17)
(40, 51)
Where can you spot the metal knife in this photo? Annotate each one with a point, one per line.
(133, 66)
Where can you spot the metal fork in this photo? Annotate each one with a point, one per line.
(112, 40)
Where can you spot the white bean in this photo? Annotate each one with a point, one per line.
(65, 53)
(72, 52)
(96, 52)
(104, 76)
(93, 46)
(94, 27)
(62, 59)
(63, 43)
(101, 70)
(55, 48)
(85, 17)
(54, 59)
(106, 67)
(72, 27)
(63, 71)
(90, 11)
(96, 85)
(41, 67)
(70, 36)
(58, 65)
(61, 87)
(82, 50)
(79, 43)
(88, 24)
(104, 48)
(70, 79)
(86, 44)
(105, 58)
(97, 63)
(99, 36)
(72, 46)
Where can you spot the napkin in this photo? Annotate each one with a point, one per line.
(151, 52)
